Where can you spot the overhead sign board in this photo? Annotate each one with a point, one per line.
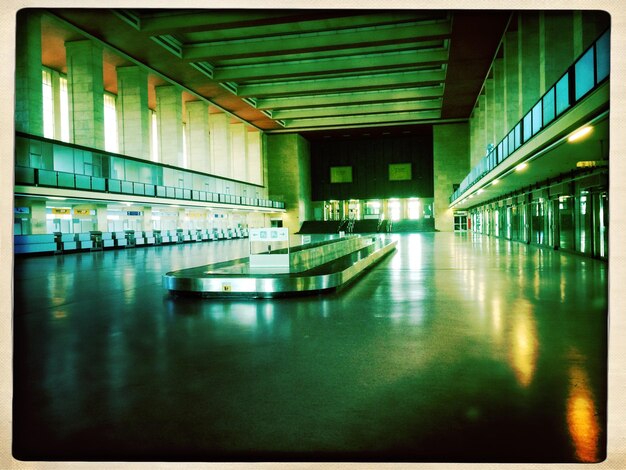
(278, 234)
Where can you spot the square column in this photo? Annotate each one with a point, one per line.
(529, 60)
(558, 48)
(490, 111)
(28, 85)
(198, 132)
(255, 163)
(170, 124)
(451, 163)
(133, 115)
(500, 125)
(239, 151)
(85, 93)
(512, 86)
(220, 144)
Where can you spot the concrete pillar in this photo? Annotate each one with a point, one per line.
(451, 163)
(133, 114)
(147, 218)
(588, 26)
(289, 180)
(170, 124)
(102, 223)
(529, 59)
(56, 97)
(500, 128)
(220, 144)
(558, 47)
(512, 79)
(255, 164)
(28, 85)
(85, 93)
(490, 110)
(198, 131)
(481, 136)
(238, 151)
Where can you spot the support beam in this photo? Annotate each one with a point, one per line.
(217, 50)
(363, 119)
(372, 81)
(330, 65)
(399, 106)
(373, 96)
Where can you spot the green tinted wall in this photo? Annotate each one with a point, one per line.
(370, 159)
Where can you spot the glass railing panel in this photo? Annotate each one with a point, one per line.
(527, 127)
(83, 182)
(24, 175)
(115, 186)
(603, 57)
(584, 74)
(537, 118)
(98, 184)
(548, 107)
(562, 94)
(127, 187)
(66, 180)
(149, 190)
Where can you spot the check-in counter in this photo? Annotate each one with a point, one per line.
(166, 237)
(107, 240)
(65, 242)
(130, 238)
(158, 238)
(119, 239)
(39, 243)
(84, 241)
(149, 237)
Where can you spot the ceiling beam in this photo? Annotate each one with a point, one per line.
(386, 107)
(180, 21)
(337, 53)
(312, 23)
(277, 45)
(381, 119)
(371, 81)
(290, 102)
(326, 66)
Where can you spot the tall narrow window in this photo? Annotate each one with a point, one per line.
(154, 148)
(64, 108)
(185, 153)
(110, 124)
(48, 105)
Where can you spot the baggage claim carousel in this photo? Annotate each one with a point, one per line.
(284, 271)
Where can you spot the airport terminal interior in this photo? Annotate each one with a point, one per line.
(311, 235)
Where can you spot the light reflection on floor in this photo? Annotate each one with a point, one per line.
(455, 348)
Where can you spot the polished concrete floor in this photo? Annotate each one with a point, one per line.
(456, 347)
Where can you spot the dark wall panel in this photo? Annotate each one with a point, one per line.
(370, 159)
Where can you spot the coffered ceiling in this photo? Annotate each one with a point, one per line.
(301, 70)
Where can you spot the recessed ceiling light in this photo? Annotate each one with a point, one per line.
(521, 166)
(494, 182)
(580, 133)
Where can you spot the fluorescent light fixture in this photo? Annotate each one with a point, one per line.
(480, 190)
(57, 198)
(521, 166)
(494, 182)
(580, 133)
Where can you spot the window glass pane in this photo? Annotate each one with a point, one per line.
(63, 159)
(64, 108)
(548, 107)
(537, 119)
(132, 170)
(528, 127)
(603, 59)
(110, 124)
(117, 168)
(584, 74)
(562, 94)
(48, 105)
(518, 135)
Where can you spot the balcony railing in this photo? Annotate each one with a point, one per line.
(587, 73)
(51, 154)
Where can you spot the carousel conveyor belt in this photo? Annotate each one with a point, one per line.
(236, 278)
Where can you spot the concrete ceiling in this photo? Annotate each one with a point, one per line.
(300, 70)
